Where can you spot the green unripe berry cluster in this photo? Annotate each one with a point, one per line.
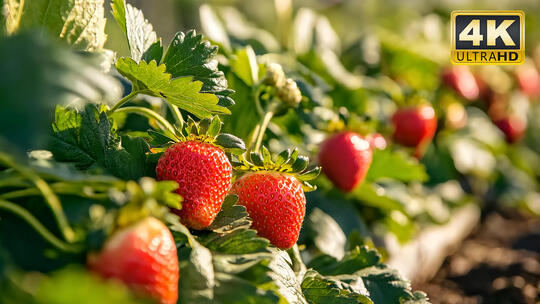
(287, 89)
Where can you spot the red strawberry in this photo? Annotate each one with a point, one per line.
(376, 141)
(415, 127)
(462, 81)
(512, 126)
(345, 159)
(143, 256)
(203, 174)
(275, 202)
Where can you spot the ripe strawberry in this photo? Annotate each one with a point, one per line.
(143, 256)
(275, 202)
(462, 81)
(203, 174)
(415, 127)
(512, 126)
(345, 159)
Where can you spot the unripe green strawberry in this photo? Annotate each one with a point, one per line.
(274, 75)
(203, 174)
(143, 256)
(275, 202)
(289, 93)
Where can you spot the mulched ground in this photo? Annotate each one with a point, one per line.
(498, 264)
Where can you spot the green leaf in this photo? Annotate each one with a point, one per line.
(385, 285)
(373, 195)
(139, 32)
(285, 279)
(418, 297)
(56, 74)
(151, 79)
(159, 139)
(190, 55)
(241, 241)
(79, 23)
(212, 277)
(88, 139)
(327, 290)
(245, 117)
(230, 233)
(234, 289)
(198, 278)
(325, 233)
(212, 26)
(230, 217)
(395, 165)
(154, 52)
(244, 65)
(357, 259)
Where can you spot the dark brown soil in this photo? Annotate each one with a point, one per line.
(498, 264)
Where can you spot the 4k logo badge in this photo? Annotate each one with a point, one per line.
(488, 37)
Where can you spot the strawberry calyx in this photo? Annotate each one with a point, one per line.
(206, 130)
(288, 162)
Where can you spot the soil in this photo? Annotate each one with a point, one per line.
(498, 264)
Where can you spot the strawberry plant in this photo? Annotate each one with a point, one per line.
(156, 177)
(136, 194)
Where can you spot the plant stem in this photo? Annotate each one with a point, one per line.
(263, 125)
(57, 188)
(44, 232)
(176, 114)
(122, 101)
(50, 197)
(150, 114)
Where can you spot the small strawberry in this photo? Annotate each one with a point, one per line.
(462, 81)
(273, 194)
(203, 172)
(415, 127)
(513, 127)
(143, 256)
(345, 159)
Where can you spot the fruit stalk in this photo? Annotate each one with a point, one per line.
(150, 114)
(176, 114)
(48, 194)
(34, 223)
(122, 101)
(261, 127)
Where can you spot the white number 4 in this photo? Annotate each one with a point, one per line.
(493, 32)
(475, 37)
